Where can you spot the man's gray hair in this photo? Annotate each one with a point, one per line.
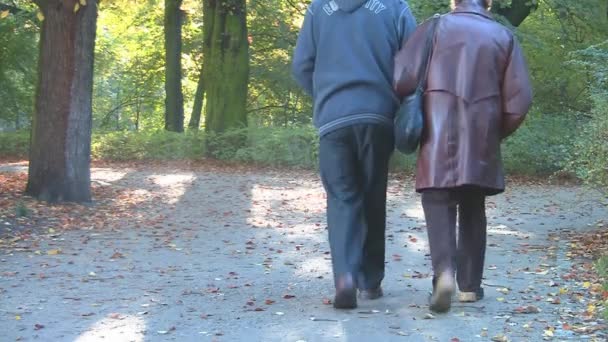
(483, 3)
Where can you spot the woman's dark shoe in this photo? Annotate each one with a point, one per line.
(346, 293)
(371, 294)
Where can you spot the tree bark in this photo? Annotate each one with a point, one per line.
(174, 100)
(226, 72)
(518, 11)
(199, 97)
(60, 151)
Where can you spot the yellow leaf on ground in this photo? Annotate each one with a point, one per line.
(4, 14)
(54, 252)
(18, 318)
(591, 308)
(586, 284)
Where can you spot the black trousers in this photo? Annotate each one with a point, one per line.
(465, 255)
(354, 169)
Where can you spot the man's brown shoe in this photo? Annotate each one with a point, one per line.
(346, 293)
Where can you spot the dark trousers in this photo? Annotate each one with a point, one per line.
(466, 254)
(354, 170)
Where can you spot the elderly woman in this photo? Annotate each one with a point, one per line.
(477, 93)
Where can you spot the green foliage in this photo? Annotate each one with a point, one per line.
(541, 146)
(281, 146)
(148, 145)
(18, 58)
(589, 160)
(14, 144)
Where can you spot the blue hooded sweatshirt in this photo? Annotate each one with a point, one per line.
(344, 59)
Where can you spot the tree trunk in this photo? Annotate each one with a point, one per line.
(199, 97)
(226, 54)
(60, 152)
(518, 11)
(174, 100)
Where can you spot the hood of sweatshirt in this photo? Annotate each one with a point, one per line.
(349, 5)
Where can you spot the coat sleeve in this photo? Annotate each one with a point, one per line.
(409, 61)
(303, 65)
(516, 91)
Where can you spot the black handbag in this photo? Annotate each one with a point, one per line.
(409, 119)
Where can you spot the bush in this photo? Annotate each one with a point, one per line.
(541, 146)
(589, 160)
(281, 146)
(15, 144)
(154, 145)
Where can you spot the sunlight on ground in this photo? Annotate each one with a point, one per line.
(108, 175)
(174, 185)
(416, 213)
(501, 229)
(115, 328)
(314, 265)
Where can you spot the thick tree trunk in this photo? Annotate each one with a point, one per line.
(518, 11)
(60, 151)
(174, 101)
(199, 97)
(226, 53)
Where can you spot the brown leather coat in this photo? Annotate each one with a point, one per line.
(478, 92)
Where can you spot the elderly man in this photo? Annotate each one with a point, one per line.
(344, 60)
(477, 93)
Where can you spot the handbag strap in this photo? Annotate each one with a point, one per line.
(428, 49)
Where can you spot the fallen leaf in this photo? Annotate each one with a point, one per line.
(17, 318)
(269, 302)
(529, 309)
(117, 255)
(38, 326)
(288, 296)
(54, 252)
(500, 338)
(326, 301)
